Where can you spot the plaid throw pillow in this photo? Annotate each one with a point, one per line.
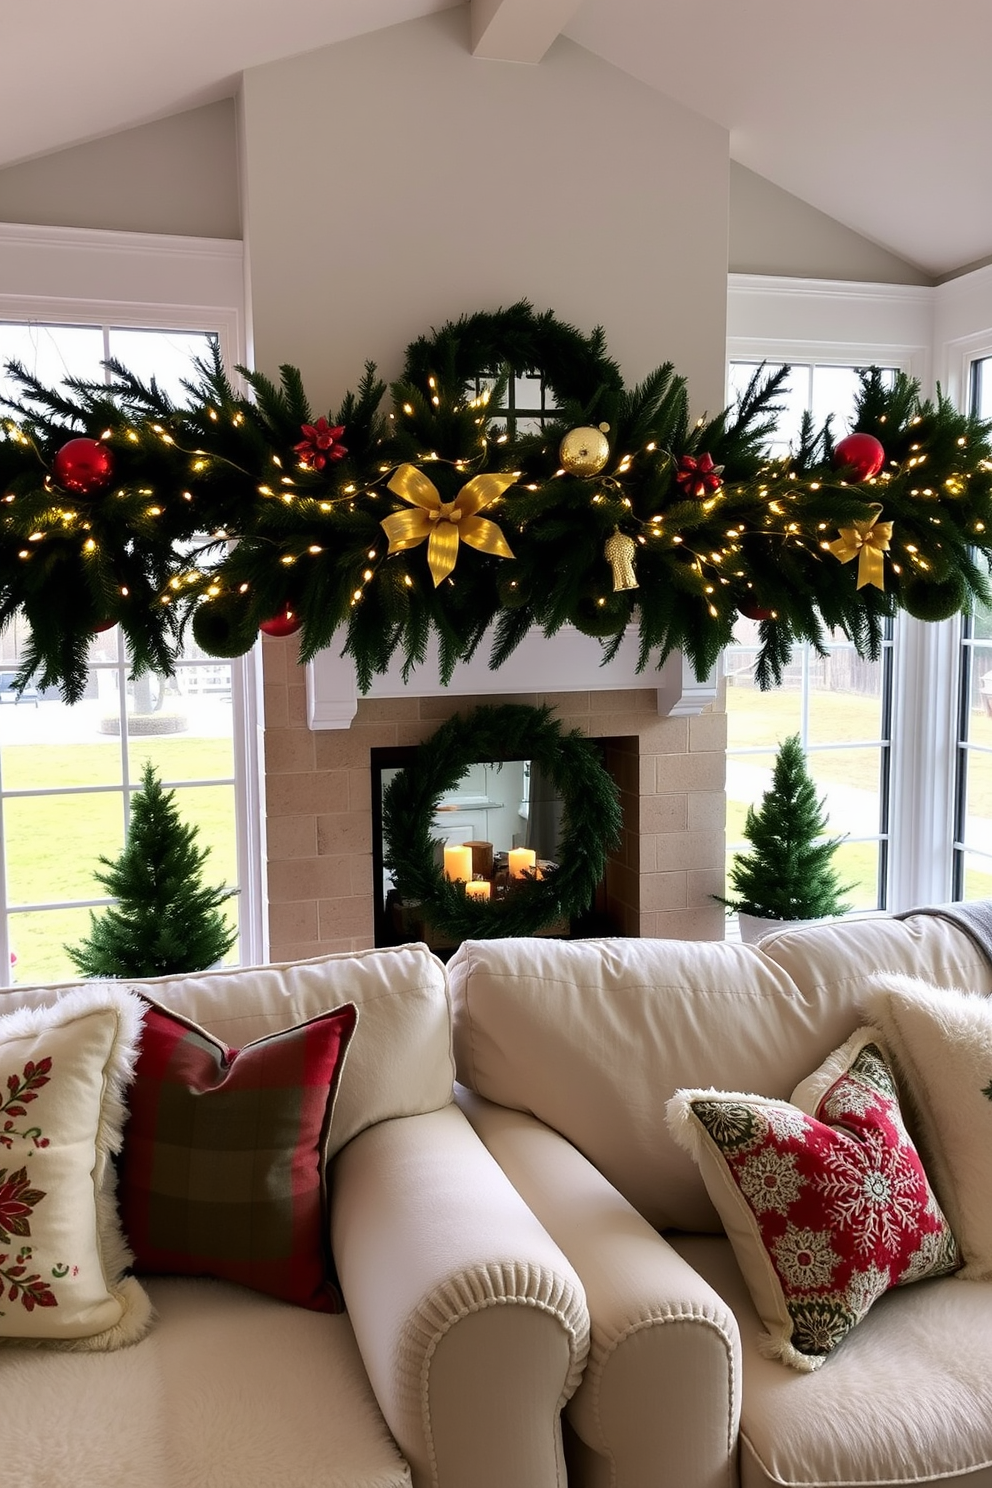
(223, 1168)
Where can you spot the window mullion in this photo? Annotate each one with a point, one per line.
(924, 746)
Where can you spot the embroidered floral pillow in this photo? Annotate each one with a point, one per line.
(941, 1041)
(824, 1199)
(63, 1070)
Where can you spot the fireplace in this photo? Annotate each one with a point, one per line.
(496, 813)
(664, 744)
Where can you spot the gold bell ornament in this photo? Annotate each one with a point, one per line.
(585, 451)
(619, 551)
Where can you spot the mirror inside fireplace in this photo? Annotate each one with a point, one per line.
(504, 807)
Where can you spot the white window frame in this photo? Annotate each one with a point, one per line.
(778, 319)
(81, 276)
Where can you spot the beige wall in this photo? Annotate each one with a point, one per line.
(395, 180)
(774, 232)
(179, 175)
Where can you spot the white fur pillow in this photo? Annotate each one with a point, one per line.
(941, 1041)
(63, 1071)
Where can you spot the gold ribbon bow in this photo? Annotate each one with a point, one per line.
(445, 523)
(867, 541)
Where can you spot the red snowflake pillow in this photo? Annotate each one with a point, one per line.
(824, 1200)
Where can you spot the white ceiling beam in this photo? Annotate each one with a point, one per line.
(518, 30)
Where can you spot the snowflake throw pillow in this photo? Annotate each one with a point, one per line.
(824, 1199)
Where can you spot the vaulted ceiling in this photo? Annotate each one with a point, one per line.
(877, 112)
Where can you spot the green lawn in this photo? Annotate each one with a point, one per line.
(53, 842)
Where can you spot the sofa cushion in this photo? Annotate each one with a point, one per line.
(907, 1400)
(63, 1071)
(399, 1061)
(229, 1390)
(223, 1168)
(838, 960)
(941, 1040)
(595, 1037)
(824, 1199)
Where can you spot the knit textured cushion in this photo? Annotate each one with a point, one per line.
(824, 1200)
(941, 1041)
(223, 1170)
(63, 1071)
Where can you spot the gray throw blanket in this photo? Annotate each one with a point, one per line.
(975, 920)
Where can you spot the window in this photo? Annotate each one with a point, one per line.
(528, 401)
(839, 705)
(972, 850)
(67, 773)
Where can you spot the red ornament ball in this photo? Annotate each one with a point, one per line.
(860, 454)
(754, 612)
(285, 624)
(83, 466)
(101, 625)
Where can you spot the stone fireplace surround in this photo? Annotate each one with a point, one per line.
(666, 749)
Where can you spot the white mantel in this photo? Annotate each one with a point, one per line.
(566, 662)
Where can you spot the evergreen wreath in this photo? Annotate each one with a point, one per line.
(590, 826)
(239, 510)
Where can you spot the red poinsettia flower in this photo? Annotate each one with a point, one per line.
(698, 477)
(17, 1199)
(320, 444)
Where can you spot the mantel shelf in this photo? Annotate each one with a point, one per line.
(566, 662)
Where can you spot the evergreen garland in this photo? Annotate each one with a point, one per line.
(226, 512)
(789, 872)
(591, 821)
(166, 919)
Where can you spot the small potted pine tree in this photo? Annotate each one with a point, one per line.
(165, 919)
(789, 874)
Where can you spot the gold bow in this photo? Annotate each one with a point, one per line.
(445, 523)
(867, 541)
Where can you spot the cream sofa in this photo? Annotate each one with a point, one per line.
(466, 1328)
(569, 1054)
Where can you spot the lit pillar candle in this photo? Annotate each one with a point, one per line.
(478, 888)
(522, 859)
(458, 863)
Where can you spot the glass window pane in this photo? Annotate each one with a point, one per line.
(748, 777)
(45, 745)
(50, 353)
(37, 944)
(845, 698)
(757, 718)
(977, 876)
(834, 392)
(167, 356)
(183, 724)
(53, 844)
(848, 782)
(211, 809)
(982, 387)
(978, 801)
(857, 863)
(793, 396)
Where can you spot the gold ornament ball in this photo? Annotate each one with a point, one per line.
(584, 451)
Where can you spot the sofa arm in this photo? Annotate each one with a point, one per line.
(659, 1402)
(471, 1323)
